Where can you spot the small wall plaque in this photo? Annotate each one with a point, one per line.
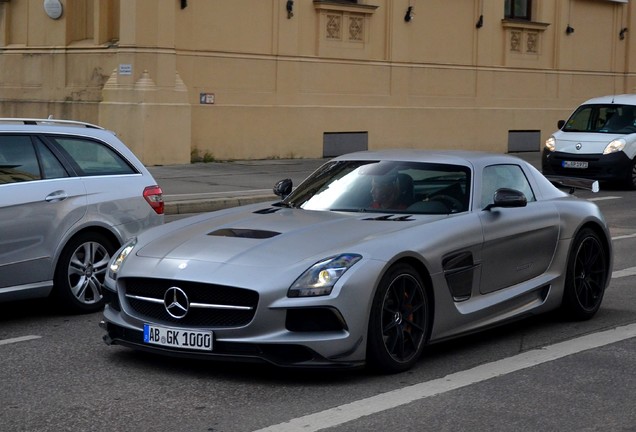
(206, 98)
(125, 69)
(53, 8)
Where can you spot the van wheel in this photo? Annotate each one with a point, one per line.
(630, 182)
(80, 272)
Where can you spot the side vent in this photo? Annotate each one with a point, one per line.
(459, 270)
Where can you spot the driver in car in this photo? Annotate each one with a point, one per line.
(385, 191)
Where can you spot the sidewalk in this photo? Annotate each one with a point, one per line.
(203, 187)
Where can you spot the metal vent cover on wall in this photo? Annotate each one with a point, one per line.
(339, 143)
(524, 141)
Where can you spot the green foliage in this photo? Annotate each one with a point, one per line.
(195, 156)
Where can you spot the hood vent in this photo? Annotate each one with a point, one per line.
(244, 233)
(267, 210)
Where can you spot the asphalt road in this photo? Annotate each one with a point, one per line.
(539, 374)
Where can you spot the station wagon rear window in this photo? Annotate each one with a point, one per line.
(93, 158)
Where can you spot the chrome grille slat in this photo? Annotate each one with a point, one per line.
(193, 305)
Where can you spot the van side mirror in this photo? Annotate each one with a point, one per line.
(560, 124)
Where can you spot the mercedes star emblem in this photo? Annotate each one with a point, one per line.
(176, 302)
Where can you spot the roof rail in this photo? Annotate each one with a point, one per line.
(48, 121)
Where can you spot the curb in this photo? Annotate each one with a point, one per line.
(208, 205)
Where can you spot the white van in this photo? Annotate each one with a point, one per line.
(598, 142)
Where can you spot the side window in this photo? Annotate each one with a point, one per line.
(504, 176)
(94, 158)
(18, 161)
(51, 167)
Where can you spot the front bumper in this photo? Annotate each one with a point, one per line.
(612, 167)
(282, 355)
(299, 333)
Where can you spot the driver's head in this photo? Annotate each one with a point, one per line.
(385, 190)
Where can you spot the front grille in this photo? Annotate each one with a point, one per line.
(151, 306)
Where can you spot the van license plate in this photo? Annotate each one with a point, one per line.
(575, 164)
(178, 338)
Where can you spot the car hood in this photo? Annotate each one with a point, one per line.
(268, 238)
(590, 142)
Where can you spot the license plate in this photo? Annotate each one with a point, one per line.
(178, 338)
(575, 164)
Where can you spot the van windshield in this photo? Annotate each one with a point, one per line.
(610, 118)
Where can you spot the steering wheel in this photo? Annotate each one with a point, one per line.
(453, 204)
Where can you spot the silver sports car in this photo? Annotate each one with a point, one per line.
(371, 258)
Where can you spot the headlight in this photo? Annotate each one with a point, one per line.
(615, 146)
(319, 279)
(550, 144)
(118, 261)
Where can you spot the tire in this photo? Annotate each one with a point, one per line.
(586, 277)
(399, 321)
(630, 181)
(80, 272)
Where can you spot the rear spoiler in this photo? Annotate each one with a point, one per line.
(574, 183)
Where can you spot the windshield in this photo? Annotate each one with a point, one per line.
(385, 186)
(609, 118)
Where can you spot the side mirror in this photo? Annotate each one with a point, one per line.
(282, 188)
(508, 198)
(560, 124)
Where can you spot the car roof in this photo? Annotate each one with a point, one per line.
(71, 127)
(454, 157)
(621, 99)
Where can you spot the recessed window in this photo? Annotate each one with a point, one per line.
(503, 176)
(518, 9)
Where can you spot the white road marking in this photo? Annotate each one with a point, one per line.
(626, 236)
(604, 198)
(18, 339)
(372, 405)
(624, 273)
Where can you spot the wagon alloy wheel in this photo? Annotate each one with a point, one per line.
(586, 276)
(398, 325)
(81, 271)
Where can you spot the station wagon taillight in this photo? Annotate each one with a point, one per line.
(154, 196)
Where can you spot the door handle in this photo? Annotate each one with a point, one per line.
(56, 196)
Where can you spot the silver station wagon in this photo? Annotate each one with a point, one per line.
(71, 194)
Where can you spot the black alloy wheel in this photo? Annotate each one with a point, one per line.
(586, 277)
(399, 321)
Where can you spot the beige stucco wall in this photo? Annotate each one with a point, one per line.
(280, 83)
